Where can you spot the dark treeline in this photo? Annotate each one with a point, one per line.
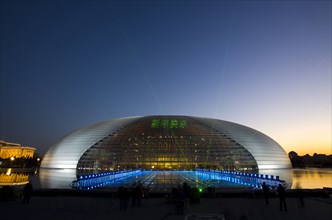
(317, 160)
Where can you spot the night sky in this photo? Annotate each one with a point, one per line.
(263, 64)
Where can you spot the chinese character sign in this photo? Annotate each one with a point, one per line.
(182, 124)
(155, 123)
(173, 124)
(165, 123)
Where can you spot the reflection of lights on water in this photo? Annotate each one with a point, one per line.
(159, 180)
(9, 171)
(311, 178)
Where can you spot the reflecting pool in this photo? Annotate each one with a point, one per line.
(312, 178)
(163, 180)
(309, 178)
(160, 180)
(13, 177)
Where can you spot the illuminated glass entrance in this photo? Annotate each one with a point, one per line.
(158, 180)
(165, 144)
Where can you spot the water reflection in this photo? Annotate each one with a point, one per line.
(63, 178)
(284, 174)
(57, 178)
(12, 177)
(312, 178)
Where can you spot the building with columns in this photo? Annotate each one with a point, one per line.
(14, 150)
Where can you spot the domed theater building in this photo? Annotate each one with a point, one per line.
(166, 143)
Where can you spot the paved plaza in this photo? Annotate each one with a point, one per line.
(93, 208)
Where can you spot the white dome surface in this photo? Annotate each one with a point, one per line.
(66, 153)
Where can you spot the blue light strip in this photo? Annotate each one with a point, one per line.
(98, 180)
(247, 179)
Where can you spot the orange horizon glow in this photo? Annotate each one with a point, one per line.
(310, 147)
(303, 138)
(307, 145)
(311, 152)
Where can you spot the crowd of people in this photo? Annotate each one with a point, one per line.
(281, 193)
(181, 197)
(184, 195)
(137, 193)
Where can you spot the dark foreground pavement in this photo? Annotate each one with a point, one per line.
(94, 208)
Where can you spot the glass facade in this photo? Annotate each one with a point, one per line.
(164, 143)
(267, 152)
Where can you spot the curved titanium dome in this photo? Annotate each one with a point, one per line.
(164, 143)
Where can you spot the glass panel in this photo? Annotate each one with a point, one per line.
(147, 145)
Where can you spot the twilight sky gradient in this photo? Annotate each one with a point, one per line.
(263, 64)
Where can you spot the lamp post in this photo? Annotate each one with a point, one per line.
(12, 160)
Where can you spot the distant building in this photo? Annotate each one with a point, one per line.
(9, 150)
(8, 178)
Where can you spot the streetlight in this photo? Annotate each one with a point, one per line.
(11, 160)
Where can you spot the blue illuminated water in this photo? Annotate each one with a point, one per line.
(171, 179)
(310, 178)
(154, 180)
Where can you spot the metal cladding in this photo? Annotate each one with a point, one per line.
(166, 143)
(65, 153)
(267, 152)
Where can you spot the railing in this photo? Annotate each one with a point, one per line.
(247, 179)
(102, 179)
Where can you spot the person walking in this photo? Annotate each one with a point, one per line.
(123, 198)
(137, 195)
(27, 190)
(179, 202)
(187, 192)
(282, 197)
(266, 192)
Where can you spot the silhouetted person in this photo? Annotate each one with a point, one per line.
(174, 195)
(187, 192)
(179, 202)
(123, 198)
(27, 190)
(196, 195)
(133, 195)
(300, 196)
(282, 197)
(146, 193)
(266, 192)
(137, 195)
